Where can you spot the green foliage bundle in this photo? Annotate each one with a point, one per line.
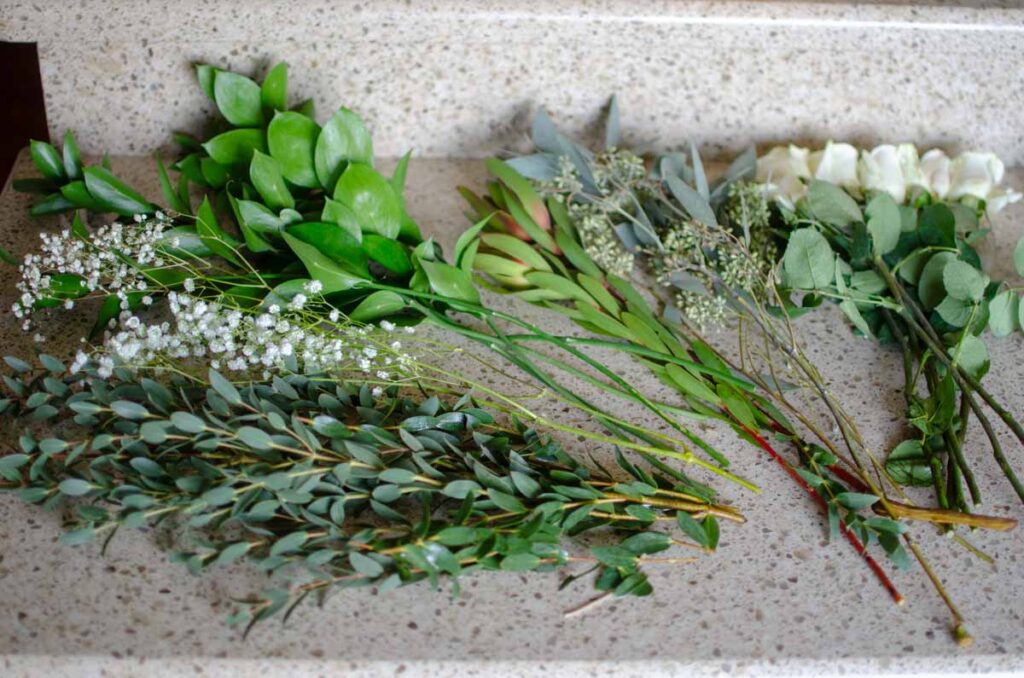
(329, 485)
(713, 251)
(910, 275)
(284, 201)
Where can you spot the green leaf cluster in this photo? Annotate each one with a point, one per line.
(354, 489)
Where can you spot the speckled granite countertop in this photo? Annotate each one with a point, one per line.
(448, 78)
(773, 599)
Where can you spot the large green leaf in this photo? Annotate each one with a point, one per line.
(113, 194)
(963, 281)
(523, 190)
(808, 262)
(334, 242)
(274, 90)
(266, 176)
(389, 253)
(371, 198)
(321, 267)
(344, 139)
(291, 138)
(832, 205)
(342, 215)
(884, 224)
(451, 282)
(930, 287)
(1002, 313)
(238, 99)
(380, 304)
(212, 235)
(47, 160)
(236, 146)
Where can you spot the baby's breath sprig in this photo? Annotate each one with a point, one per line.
(325, 485)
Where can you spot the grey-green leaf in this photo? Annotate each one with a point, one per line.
(808, 261)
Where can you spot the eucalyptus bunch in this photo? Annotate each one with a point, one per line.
(326, 485)
(712, 247)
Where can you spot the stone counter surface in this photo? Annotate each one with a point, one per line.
(448, 78)
(774, 599)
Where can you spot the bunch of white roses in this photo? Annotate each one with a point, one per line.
(899, 170)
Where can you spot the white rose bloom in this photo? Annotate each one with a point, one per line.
(836, 164)
(879, 170)
(781, 170)
(1000, 198)
(975, 174)
(910, 166)
(935, 168)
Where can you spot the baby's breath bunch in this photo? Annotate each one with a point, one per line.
(111, 261)
(288, 337)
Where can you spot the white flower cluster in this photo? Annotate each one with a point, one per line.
(100, 262)
(237, 340)
(897, 170)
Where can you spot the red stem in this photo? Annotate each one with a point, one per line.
(883, 578)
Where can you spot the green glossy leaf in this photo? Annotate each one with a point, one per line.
(371, 199)
(292, 138)
(691, 528)
(334, 242)
(47, 160)
(856, 501)
(344, 139)
(274, 90)
(266, 176)
(212, 235)
(236, 146)
(321, 267)
(238, 99)
(113, 194)
(448, 281)
(380, 304)
(343, 216)
(72, 156)
(390, 254)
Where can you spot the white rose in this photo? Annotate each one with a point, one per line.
(836, 164)
(975, 174)
(1000, 198)
(879, 170)
(782, 170)
(910, 166)
(935, 168)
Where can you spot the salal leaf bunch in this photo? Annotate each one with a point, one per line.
(282, 200)
(326, 486)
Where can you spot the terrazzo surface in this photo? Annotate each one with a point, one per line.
(774, 599)
(451, 78)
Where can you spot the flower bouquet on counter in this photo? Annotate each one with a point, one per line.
(254, 372)
(568, 226)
